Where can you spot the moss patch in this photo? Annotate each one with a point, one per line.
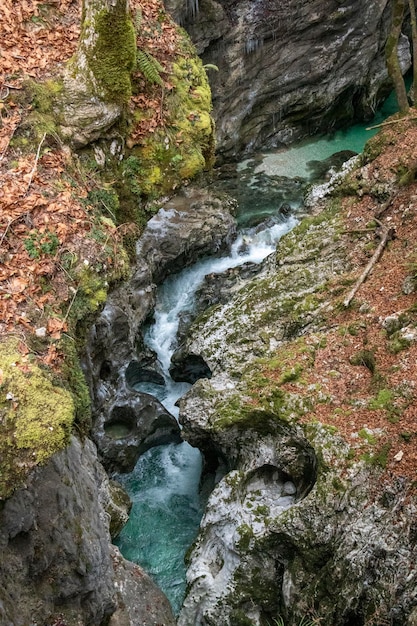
(114, 54)
(184, 147)
(36, 417)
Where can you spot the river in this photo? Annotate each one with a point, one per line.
(164, 485)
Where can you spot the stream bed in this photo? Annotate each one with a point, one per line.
(164, 486)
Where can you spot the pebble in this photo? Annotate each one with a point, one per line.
(289, 489)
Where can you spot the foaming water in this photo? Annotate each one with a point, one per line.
(167, 509)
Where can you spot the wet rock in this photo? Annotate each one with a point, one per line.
(117, 505)
(130, 425)
(189, 369)
(139, 599)
(194, 223)
(55, 544)
(321, 169)
(57, 565)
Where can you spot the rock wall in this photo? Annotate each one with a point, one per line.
(57, 565)
(289, 69)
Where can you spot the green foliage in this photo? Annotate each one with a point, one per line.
(365, 358)
(44, 94)
(380, 458)
(73, 379)
(210, 66)
(367, 436)
(383, 401)
(149, 67)
(39, 244)
(305, 621)
(103, 198)
(42, 120)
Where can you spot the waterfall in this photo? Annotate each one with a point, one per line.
(164, 485)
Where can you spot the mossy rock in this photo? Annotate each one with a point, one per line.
(36, 417)
(184, 147)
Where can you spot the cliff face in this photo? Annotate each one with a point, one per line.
(57, 564)
(289, 69)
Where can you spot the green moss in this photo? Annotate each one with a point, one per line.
(246, 536)
(383, 400)
(184, 147)
(42, 120)
(374, 147)
(397, 343)
(365, 358)
(113, 57)
(380, 458)
(36, 417)
(73, 379)
(367, 436)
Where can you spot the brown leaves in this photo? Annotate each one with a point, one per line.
(34, 35)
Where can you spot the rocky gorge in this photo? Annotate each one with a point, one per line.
(302, 405)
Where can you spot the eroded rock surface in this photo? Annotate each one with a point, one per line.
(126, 423)
(298, 524)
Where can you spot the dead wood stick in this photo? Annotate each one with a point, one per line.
(36, 162)
(386, 236)
(402, 119)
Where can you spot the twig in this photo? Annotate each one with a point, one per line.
(36, 163)
(5, 232)
(386, 236)
(402, 119)
(71, 303)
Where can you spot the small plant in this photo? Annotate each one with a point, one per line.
(149, 67)
(366, 358)
(38, 244)
(305, 621)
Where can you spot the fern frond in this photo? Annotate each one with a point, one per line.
(149, 67)
(211, 66)
(138, 19)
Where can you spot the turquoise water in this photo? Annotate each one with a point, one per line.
(164, 485)
(165, 515)
(293, 161)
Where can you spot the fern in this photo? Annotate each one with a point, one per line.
(149, 67)
(211, 66)
(138, 19)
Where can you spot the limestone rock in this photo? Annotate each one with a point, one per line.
(193, 224)
(55, 553)
(139, 599)
(130, 425)
(57, 564)
(293, 522)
